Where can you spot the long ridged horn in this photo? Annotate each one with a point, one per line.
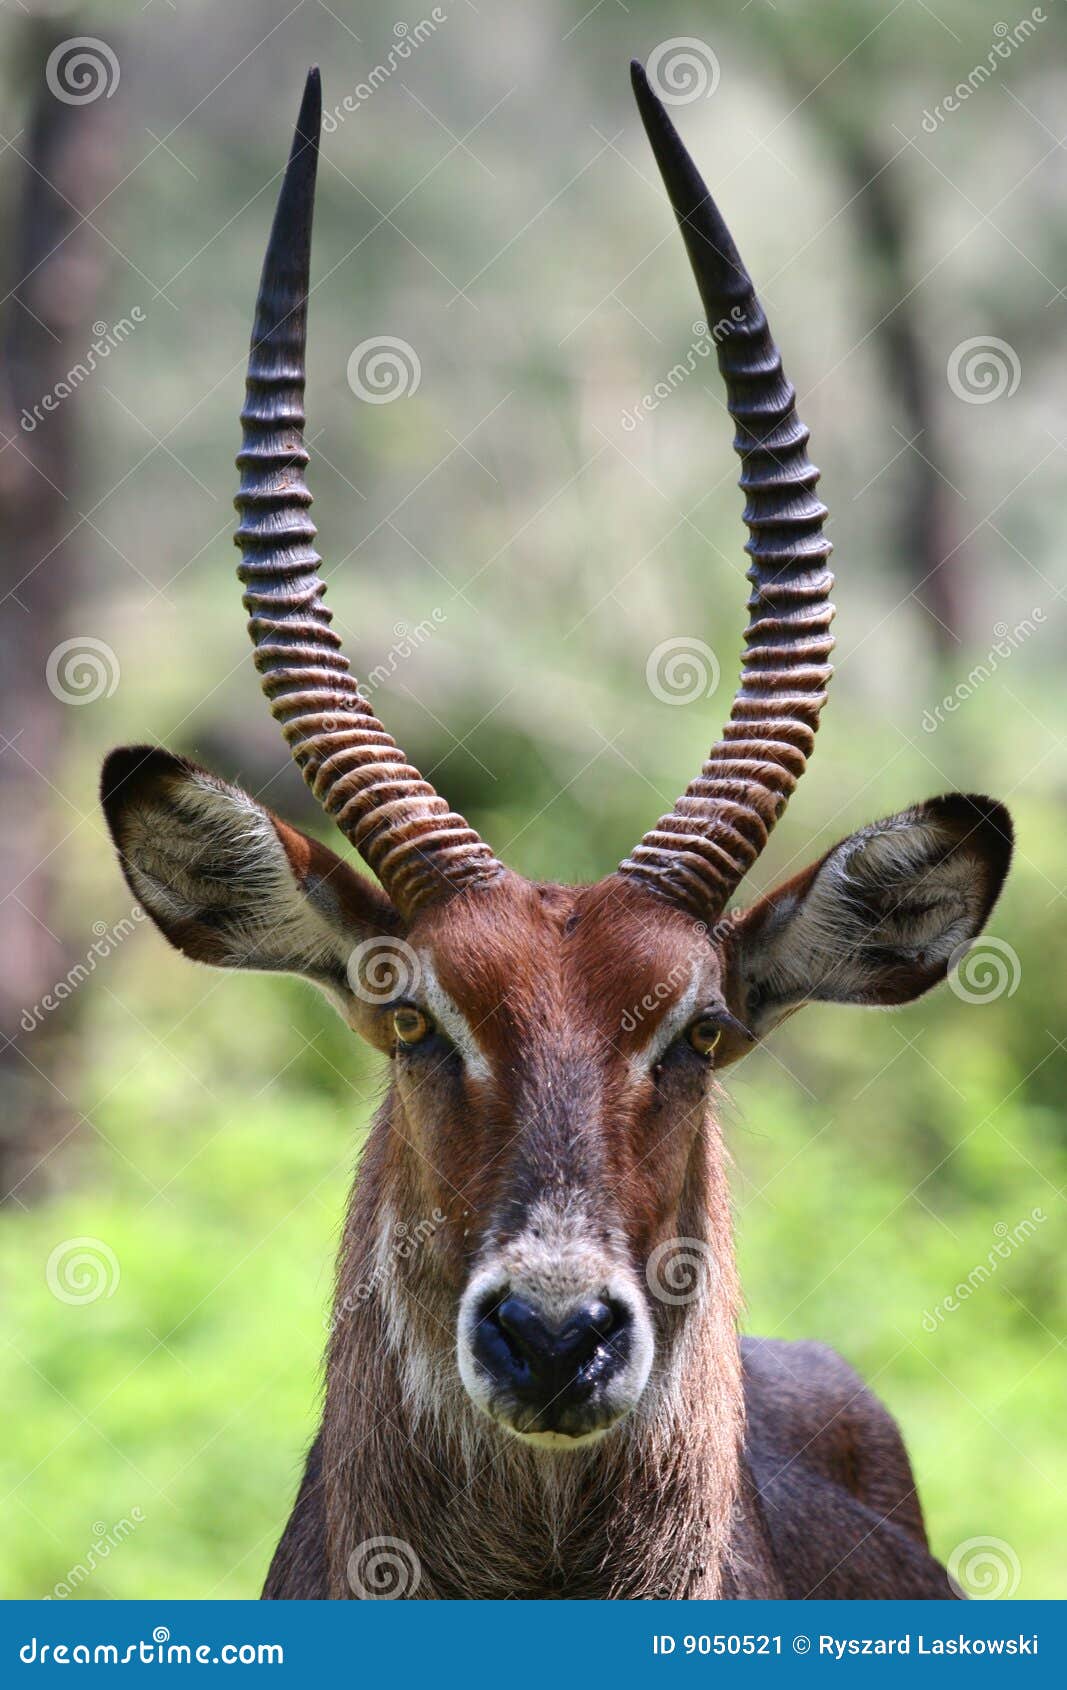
(420, 851)
(698, 854)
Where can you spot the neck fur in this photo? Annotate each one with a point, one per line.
(646, 1511)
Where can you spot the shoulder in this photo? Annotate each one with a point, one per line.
(806, 1404)
(805, 1394)
(829, 1463)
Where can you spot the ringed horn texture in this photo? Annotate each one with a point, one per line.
(698, 854)
(420, 851)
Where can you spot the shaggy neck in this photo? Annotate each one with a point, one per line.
(647, 1511)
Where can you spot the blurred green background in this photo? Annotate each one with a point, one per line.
(492, 204)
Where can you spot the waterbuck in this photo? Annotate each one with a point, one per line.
(543, 1393)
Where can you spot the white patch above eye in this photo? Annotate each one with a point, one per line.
(451, 1019)
(673, 1023)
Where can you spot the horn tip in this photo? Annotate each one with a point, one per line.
(647, 101)
(311, 103)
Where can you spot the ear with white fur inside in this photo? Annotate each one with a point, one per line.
(879, 919)
(229, 884)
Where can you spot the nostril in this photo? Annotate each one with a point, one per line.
(528, 1336)
(539, 1344)
(587, 1328)
(601, 1317)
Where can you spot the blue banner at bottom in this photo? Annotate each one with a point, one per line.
(524, 1644)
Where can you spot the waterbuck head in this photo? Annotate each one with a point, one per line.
(553, 1049)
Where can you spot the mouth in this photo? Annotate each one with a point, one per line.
(573, 1420)
(557, 1440)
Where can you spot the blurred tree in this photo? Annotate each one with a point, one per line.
(807, 48)
(61, 163)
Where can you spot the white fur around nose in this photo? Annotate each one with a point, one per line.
(560, 1260)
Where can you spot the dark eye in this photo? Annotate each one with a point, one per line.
(704, 1034)
(410, 1025)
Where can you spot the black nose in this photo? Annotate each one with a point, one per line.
(551, 1367)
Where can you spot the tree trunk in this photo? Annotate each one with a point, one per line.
(58, 162)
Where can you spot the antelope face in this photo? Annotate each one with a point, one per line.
(551, 1048)
(572, 1033)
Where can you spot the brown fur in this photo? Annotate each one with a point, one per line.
(666, 1506)
(566, 1127)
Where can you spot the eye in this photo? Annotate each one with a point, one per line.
(410, 1025)
(704, 1034)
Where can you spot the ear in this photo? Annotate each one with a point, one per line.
(230, 884)
(877, 920)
